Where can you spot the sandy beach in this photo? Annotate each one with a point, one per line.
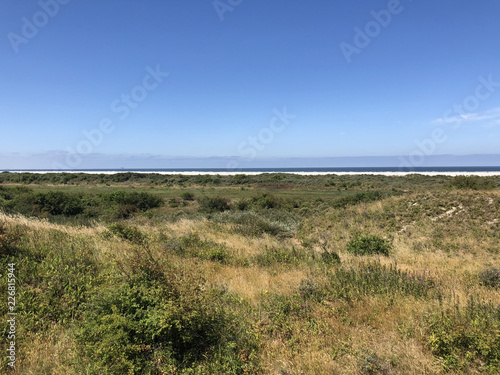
(304, 173)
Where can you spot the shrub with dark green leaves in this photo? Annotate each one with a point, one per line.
(8, 240)
(240, 179)
(187, 196)
(141, 201)
(162, 322)
(215, 204)
(490, 277)
(471, 183)
(369, 245)
(49, 203)
(59, 203)
(54, 277)
(371, 364)
(266, 201)
(330, 257)
(466, 337)
(127, 232)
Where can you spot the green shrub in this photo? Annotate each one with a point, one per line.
(8, 240)
(59, 203)
(127, 232)
(371, 364)
(490, 277)
(466, 337)
(240, 179)
(187, 196)
(162, 322)
(49, 203)
(266, 201)
(471, 183)
(330, 257)
(218, 254)
(139, 201)
(243, 204)
(114, 205)
(216, 204)
(54, 279)
(369, 245)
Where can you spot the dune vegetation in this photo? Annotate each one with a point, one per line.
(269, 274)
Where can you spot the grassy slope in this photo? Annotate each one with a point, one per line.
(260, 280)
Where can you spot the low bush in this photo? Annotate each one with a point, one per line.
(111, 206)
(371, 364)
(215, 204)
(187, 196)
(471, 183)
(25, 202)
(330, 257)
(490, 277)
(266, 201)
(369, 245)
(127, 232)
(466, 336)
(158, 321)
(8, 240)
(139, 201)
(54, 279)
(59, 203)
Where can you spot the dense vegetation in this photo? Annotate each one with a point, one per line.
(273, 274)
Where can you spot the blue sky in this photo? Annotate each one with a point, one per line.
(247, 80)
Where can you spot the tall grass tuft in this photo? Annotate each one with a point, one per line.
(373, 278)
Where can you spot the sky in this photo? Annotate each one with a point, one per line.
(221, 83)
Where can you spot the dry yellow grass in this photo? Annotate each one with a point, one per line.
(45, 225)
(251, 283)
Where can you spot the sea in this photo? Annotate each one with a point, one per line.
(387, 171)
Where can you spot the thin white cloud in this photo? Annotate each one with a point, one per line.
(488, 118)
